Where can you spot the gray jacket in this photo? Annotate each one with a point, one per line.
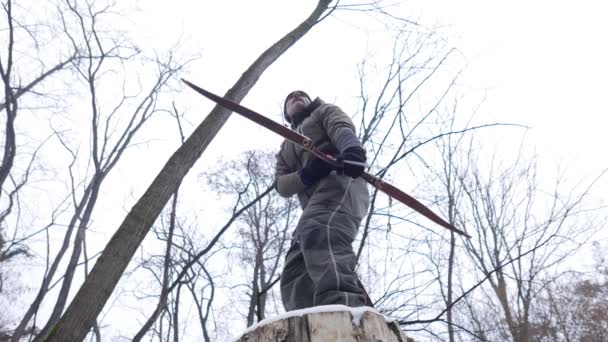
(322, 126)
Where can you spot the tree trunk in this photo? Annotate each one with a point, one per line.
(307, 325)
(253, 299)
(449, 301)
(97, 288)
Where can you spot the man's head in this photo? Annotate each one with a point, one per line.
(295, 103)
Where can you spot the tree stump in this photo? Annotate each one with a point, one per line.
(331, 323)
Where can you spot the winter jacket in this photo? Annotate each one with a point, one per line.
(321, 124)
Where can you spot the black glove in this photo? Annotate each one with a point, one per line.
(315, 170)
(353, 154)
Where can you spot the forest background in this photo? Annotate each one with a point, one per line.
(490, 113)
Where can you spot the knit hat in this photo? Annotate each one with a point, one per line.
(295, 92)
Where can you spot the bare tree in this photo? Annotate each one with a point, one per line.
(509, 213)
(110, 136)
(393, 131)
(535, 245)
(574, 306)
(189, 267)
(20, 76)
(166, 273)
(203, 299)
(263, 229)
(14, 89)
(453, 194)
(388, 128)
(394, 125)
(446, 188)
(168, 265)
(186, 261)
(89, 300)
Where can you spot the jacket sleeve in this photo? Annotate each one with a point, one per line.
(339, 127)
(288, 182)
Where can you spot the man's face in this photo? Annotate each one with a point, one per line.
(296, 102)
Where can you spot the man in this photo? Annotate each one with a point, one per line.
(320, 265)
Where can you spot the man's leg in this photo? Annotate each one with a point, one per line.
(297, 289)
(326, 245)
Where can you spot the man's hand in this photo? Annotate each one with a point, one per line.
(315, 170)
(354, 154)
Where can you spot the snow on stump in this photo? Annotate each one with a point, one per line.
(329, 323)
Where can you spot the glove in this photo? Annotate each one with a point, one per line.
(354, 154)
(315, 170)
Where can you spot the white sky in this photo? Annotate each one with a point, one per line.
(539, 63)
(542, 63)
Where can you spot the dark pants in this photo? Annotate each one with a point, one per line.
(320, 265)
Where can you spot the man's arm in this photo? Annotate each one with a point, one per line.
(341, 131)
(288, 181)
(339, 127)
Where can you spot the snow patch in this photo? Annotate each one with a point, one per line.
(357, 313)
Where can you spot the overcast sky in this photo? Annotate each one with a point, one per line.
(538, 63)
(542, 62)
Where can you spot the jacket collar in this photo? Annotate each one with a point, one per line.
(300, 116)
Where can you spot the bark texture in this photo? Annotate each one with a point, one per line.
(330, 327)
